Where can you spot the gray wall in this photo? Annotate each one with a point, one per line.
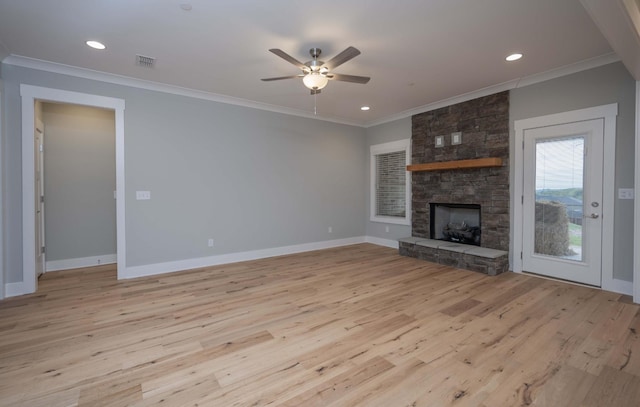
(600, 86)
(80, 177)
(247, 178)
(252, 179)
(384, 133)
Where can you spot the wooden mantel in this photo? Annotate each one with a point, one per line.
(457, 164)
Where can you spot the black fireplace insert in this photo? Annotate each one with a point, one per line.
(460, 223)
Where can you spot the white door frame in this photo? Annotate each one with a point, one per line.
(29, 95)
(40, 219)
(2, 287)
(636, 205)
(606, 112)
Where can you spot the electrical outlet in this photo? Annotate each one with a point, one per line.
(210, 243)
(386, 229)
(330, 229)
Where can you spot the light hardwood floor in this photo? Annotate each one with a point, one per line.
(352, 326)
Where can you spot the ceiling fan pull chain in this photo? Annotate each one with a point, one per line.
(315, 104)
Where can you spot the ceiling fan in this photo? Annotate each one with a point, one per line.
(315, 73)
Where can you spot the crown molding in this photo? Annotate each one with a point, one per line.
(4, 51)
(587, 64)
(619, 23)
(501, 87)
(62, 69)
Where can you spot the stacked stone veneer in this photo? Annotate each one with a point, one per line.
(484, 123)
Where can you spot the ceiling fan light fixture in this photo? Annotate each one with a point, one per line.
(315, 81)
(316, 73)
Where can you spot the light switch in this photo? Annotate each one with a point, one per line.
(439, 141)
(143, 195)
(456, 138)
(626, 193)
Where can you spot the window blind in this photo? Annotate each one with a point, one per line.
(390, 184)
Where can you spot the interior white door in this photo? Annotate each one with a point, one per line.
(39, 197)
(562, 201)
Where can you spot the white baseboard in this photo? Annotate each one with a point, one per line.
(80, 262)
(382, 242)
(619, 286)
(14, 289)
(168, 267)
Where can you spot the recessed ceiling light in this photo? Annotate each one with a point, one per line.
(96, 45)
(513, 57)
(365, 108)
(186, 6)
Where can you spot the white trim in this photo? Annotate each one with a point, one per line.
(382, 242)
(619, 23)
(621, 287)
(501, 87)
(38, 64)
(636, 205)
(14, 289)
(606, 112)
(384, 148)
(62, 69)
(568, 69)
(188, 264)
(2, 232)
(618, 286)
(29, 95)
(66, 264)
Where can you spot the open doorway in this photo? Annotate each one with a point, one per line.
(76, 177)
(30, 94)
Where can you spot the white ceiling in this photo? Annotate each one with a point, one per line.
(416, 52)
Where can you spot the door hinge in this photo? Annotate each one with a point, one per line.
(41, 148)
(523, 144)
(522, 200)
(41, 198)
(520, 255)
(42, 250)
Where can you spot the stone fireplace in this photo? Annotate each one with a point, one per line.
(470, 131)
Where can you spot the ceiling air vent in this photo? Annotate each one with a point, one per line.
(146, 62)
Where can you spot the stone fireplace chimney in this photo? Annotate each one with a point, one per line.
(484, 127)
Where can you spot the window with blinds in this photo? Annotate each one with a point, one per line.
(390, 186)
(390, 183)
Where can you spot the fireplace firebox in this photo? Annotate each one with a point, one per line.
(460, 223)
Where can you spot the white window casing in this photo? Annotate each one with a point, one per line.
(390, 194)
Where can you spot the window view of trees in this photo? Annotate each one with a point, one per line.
(559, 187)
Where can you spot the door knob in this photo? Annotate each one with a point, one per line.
(594, 216)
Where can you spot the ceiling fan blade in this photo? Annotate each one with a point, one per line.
(348, 78)
(281, 77)
(342, 57)
(288, 58)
